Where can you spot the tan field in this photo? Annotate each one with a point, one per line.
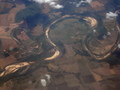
(6, 34)
(5, 4)
(97, 6)
(3, 20)
(38, 30)
(14, 11)
(23, 36)
(8, 43)
(46, 10)
(8, 60)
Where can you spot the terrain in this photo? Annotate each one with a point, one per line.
(72, 48)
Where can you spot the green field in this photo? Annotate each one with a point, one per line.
(69, 30)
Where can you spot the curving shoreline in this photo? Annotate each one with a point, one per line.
(14, 67)
(57, 52)
(94, 24)
(103, 56)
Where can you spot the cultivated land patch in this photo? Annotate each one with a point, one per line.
(69, 30)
